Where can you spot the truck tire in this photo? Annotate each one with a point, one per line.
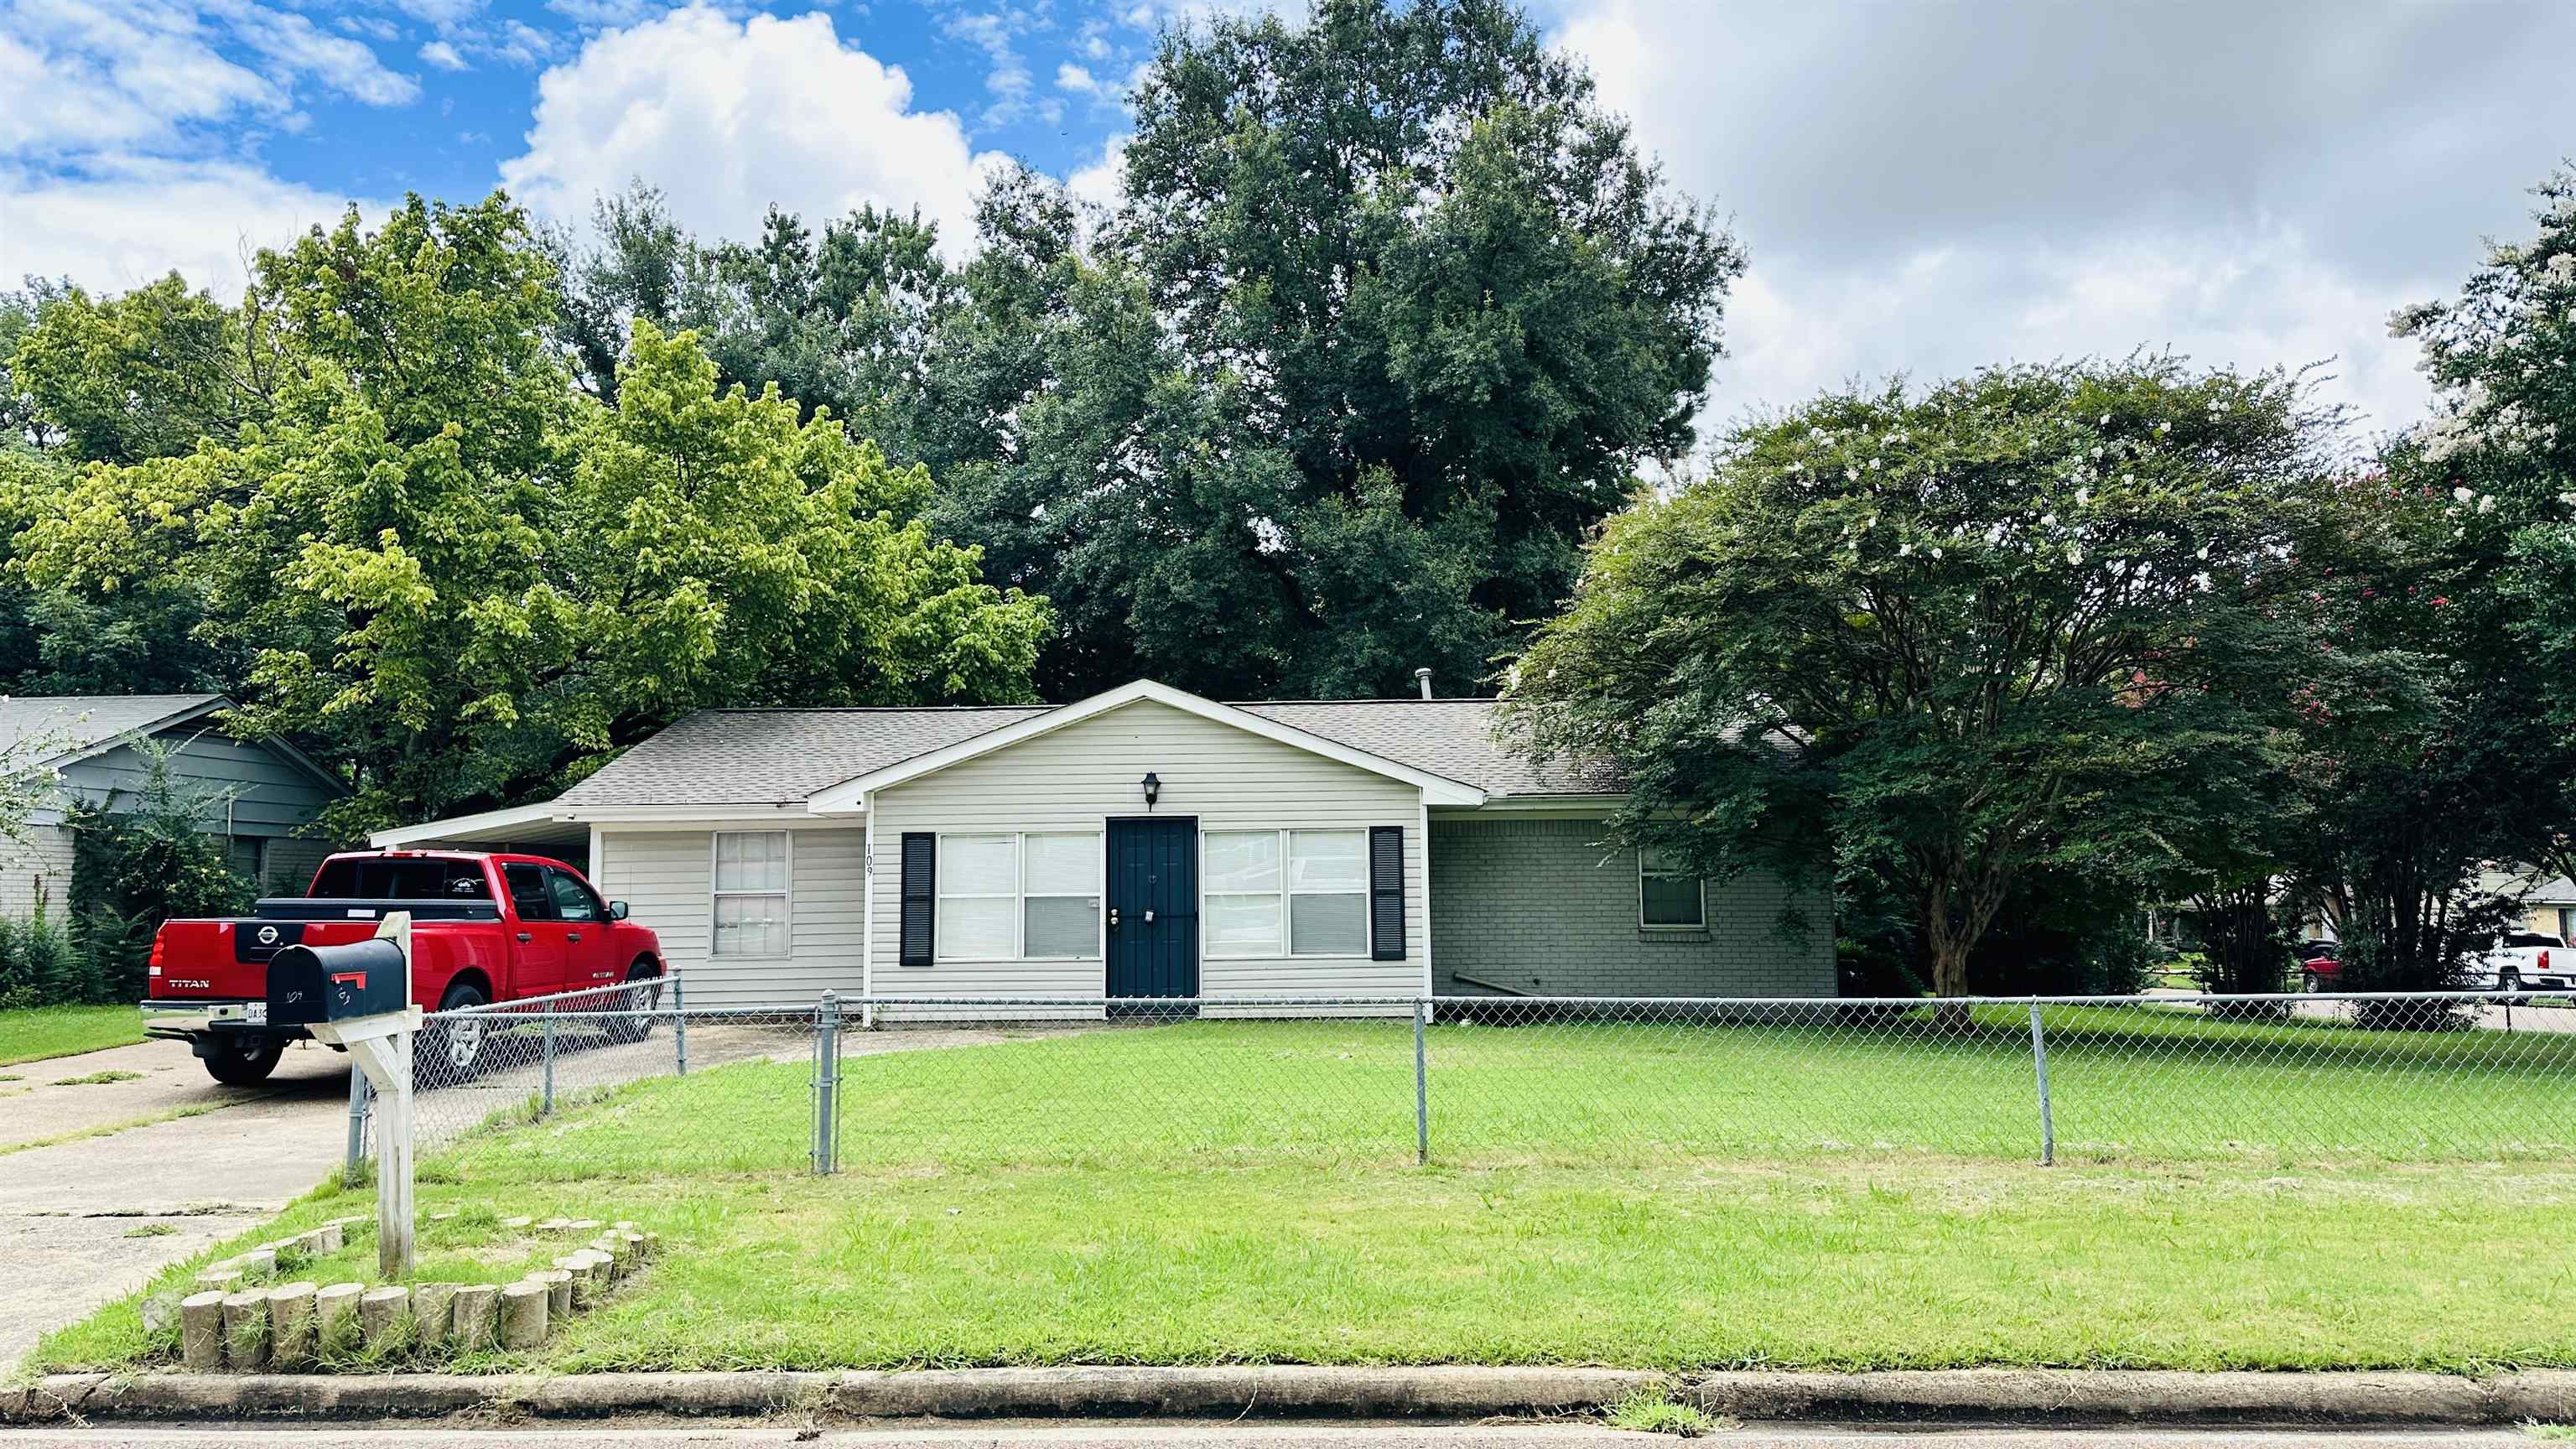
(244, 1061)
(453, 1051)
(626, 1030)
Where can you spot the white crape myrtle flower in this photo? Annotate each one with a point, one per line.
(2048, 520)
(2561, 268)
(1851, 475)
(1904, 550)
(1876, 463)
(2106, 420)
(2486, 503)
(2462, 494)
(2083, 496)
(2128, 477)
(1936, 551)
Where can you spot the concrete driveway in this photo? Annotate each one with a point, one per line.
(183, 1162)
(89, 1220)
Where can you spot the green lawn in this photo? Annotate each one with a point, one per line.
(61, 1031)
(1678, 1198)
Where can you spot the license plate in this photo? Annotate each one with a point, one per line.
(253, 1012)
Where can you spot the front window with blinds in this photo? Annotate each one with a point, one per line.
(1285, 892)
(1668, 894)
(751, 893)
(1019, 897)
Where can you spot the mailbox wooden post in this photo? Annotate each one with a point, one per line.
(358, 996)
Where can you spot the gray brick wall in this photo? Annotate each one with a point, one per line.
(1541, 906)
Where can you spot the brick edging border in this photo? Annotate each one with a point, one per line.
(2053, 1395)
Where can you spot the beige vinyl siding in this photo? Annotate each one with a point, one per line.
(1080, 776)
(38, 865)
(667, 878)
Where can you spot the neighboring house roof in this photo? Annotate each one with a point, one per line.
(782, 756)
(57, 728)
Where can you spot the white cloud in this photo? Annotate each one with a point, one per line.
(730, 116)
(443, 55)
(138, 220)
(82, 77)
(1102, 183)
(1926, 189)
(1074, 78)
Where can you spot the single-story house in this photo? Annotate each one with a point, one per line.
(1145, 842)
(265, 791)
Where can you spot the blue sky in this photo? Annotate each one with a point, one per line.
(1922, 188)
(996, 68)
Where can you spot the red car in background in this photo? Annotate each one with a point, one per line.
(485, 928)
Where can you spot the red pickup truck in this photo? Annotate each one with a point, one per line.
(485, 928)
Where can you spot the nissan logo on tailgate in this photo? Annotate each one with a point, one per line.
(268, 935)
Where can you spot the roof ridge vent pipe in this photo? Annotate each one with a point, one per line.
(1422, 677)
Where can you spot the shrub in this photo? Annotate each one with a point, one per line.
(138, 861)
(39, 965)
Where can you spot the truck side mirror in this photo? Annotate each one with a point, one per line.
(617, 910)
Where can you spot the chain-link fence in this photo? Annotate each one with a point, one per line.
(633, 1082)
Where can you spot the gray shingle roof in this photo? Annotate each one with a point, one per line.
(780, 756)
(50, 726)
(1451, 737)
(776, 756)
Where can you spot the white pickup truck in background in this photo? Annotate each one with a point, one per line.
(2524, 961)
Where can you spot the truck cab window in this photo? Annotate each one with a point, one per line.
(528, 891)
(573, 900)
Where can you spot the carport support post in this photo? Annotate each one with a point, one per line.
(546, 1094)
(1421, 1088)
(2039, 1061)
(679, 1028)
(827, 1081)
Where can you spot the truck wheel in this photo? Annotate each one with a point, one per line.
(452, 1051)
(245, 1061)
(645, 998)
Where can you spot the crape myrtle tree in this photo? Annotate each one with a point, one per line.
(2467, 566)
(465, 581)
(2026, 622)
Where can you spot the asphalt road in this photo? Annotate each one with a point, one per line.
(1249, 1436)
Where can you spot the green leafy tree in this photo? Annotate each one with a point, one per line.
(2466, 567)
(461, 578)
(838, 321)
(144, 374)
(2029, 622)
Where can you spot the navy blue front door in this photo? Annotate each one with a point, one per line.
(1154, 907)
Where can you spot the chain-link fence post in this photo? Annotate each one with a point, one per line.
(2039, 1062)
(679, 1029)
(827, 1082)
(1421, 1087)
(546, 1095)
(360, 1094)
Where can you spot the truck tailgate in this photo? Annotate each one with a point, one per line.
(223, 960)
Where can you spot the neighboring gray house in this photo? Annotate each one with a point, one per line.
(269, 789)
(1143, 842)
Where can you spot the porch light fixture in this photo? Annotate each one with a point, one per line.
(1153, 788)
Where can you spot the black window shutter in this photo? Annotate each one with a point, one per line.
(1386, 892)
(920, 895)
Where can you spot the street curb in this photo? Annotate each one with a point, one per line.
(2143, 1395)
(2049, 1395)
